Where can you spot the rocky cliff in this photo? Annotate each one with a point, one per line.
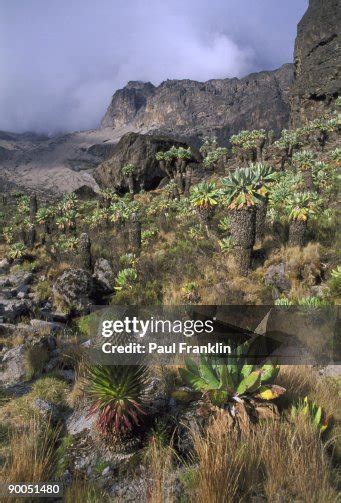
(191, 109)
(317, 61)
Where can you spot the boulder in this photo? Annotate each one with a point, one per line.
(12, 368)
(85, 192)
(276, 278)
(72, 291)
(104, 275)
(140, 150)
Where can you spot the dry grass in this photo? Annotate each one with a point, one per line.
(279, 460)
(159, 459)
(226, 469)
(295, 463)
(32, 457)
(303, 380)
(303, 267)
(77, 396)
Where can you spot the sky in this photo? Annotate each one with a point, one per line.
(61, 60)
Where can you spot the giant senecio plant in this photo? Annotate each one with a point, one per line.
(232, 385)
(242, 194)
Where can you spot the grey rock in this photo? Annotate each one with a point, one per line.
(104, 275)
(12, 368)
(80, 422)
(275, 276)
(10, 310)
(331, 371)
(67, 375)
(23, 290)
(4, 282)
(20, 278)
(73, 290)
(51, 365)
(106, 471)
(55, 316)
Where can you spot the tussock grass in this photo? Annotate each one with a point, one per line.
(295, 463)
(281, 461)
(226, 470)
(159, 460)
(32, 453)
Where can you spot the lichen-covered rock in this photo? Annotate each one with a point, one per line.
(276, 278)
(12, 368)
(104, 275)
(80, 421)
(72, 291)
(317, 61)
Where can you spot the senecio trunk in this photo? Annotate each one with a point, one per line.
(85, 259)
(243, 226)
(261, 210)
(297, 231)
(135, 233)
(308, 179)
(243, 231)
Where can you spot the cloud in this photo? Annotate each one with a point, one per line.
(60, 62)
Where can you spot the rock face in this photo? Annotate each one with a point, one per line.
(192, 109)
(317, 61)
(140, 150)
